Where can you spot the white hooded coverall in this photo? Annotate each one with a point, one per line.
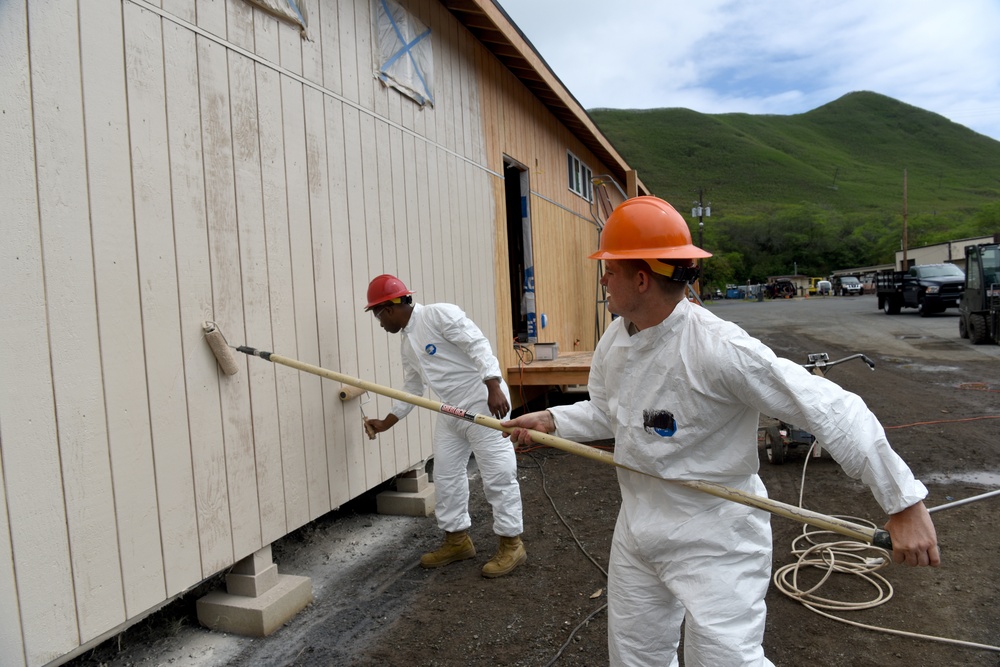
(682, 401)
(445, 350)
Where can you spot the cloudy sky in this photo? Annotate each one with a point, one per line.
(772, 56)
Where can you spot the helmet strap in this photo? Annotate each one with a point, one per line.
(682, 274)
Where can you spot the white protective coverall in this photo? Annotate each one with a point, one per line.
(445, 350)
(682, 400)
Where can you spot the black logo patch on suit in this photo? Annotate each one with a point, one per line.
(661, 422)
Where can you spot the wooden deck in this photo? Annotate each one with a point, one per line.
(570, 368)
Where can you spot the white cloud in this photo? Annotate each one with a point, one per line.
(772, 56)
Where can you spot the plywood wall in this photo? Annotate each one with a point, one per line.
(565, 227)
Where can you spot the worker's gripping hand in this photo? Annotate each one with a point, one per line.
(914, 540)
(374, 426)
(535, 421)
(497, 400)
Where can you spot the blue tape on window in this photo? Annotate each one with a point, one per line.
(406, 50)
(294, 7)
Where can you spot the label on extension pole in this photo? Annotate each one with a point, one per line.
(457, 412)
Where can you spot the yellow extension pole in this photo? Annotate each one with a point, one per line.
(876, 537)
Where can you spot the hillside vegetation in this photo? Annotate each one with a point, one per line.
(819, 191)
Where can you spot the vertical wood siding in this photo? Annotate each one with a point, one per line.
(179, 161)
(38, 616)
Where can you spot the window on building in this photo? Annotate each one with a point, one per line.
(405, 59)
(285, 9)
(580, 177)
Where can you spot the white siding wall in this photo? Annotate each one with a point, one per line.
(175, 161)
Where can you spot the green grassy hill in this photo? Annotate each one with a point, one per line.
(824, 186)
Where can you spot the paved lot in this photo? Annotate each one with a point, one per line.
(856, 322)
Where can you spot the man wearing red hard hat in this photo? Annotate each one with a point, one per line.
(445, 350)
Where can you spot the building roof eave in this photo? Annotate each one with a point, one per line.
(493, 28)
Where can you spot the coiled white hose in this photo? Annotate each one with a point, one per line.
(844, 557)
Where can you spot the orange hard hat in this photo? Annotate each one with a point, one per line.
(646, 228)
(385, 288)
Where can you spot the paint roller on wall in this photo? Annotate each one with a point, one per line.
(220, 348)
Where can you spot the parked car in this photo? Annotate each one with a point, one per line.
(930, 288)
(847, 286)
(781, 289)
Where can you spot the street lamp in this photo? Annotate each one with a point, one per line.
(701, 211)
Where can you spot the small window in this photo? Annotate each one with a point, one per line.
(580, 177)
(285, 9)
(405, 59)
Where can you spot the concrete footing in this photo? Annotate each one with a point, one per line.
(414, 496)
(257, 600)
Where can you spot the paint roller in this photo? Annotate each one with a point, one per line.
(348, 392)
(874, 536)
(220, 348)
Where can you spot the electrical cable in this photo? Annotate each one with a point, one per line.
(970, 386)
(522, 351)
(843, 557)
(583, 550)
(977, 386)
(942, 421)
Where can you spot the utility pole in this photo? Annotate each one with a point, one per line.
(905, 266)
(701, 211)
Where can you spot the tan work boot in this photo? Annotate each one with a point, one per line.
(510, 554)
(457, 546)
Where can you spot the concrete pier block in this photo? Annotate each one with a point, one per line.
(257, 600)
(256, 616)
(407, 503)
(411, 481)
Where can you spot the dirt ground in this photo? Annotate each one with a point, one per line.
(374, 605)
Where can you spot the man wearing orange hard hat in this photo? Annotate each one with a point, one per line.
(681, 392)
(445, 350)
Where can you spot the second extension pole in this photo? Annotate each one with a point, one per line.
(874, 536)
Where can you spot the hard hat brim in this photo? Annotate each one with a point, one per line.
(675, 252)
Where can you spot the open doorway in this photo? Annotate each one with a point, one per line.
(519, 259)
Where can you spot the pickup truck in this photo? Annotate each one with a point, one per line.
(930, 288)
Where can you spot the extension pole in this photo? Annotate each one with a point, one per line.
(876, 537)
(965, 501)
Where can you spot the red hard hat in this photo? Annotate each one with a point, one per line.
(646, 228)
(385, 288)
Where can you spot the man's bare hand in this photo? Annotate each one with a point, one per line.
(374, 426)
(535, 421)
(497, 400)
(914, 540)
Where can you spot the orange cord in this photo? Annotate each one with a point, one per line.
(978, 386)
(973, 386)
(942, 421)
